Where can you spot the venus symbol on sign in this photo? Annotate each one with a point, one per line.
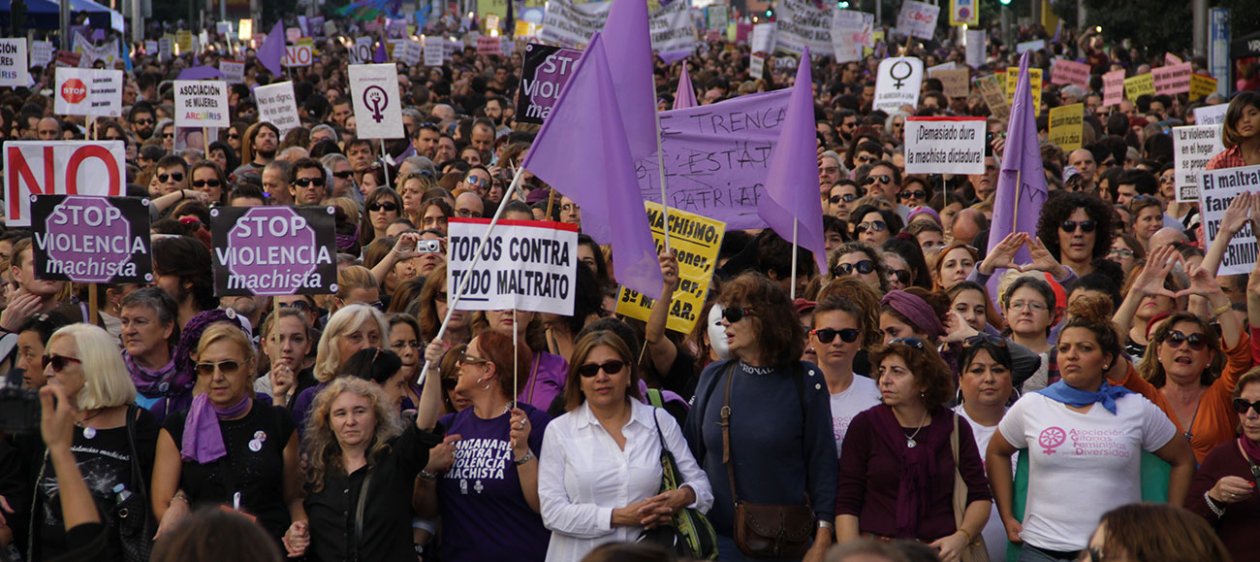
(376, 100)
(900, 80)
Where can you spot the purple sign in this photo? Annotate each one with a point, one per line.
(274, 250)
(544, 71)
(717, 157)
(91, 239)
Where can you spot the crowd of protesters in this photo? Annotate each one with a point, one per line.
(924, 393)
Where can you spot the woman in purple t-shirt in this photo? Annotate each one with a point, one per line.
(543, 380)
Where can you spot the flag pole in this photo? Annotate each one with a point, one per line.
(660, 166)
(792, 291)
(384, 163)
(1019, 184)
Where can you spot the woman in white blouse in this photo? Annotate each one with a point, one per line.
(600, 478)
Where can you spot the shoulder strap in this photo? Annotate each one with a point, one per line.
(137, 475)
(655, 399)
(358, 514)
(726, 431)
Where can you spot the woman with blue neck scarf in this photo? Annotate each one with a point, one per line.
(1084, 439)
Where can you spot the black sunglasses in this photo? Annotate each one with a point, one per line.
(882, 178)
(827, 335)
(984, 338)
(873, 226)
(847, 198)
(863, 267)
(344, 175)
(916, 194)
(591, 369)
(205, 183)
(915, 343)
(59, 362)
(176, 177)
(226, 367)
(307, 182)
(734, 314)
(902, 276)
(1197, 341)
(1241, 405)
(383, 207)
(1086, 226)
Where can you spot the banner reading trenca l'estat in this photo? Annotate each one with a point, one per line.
(696, 240)
(274, 251)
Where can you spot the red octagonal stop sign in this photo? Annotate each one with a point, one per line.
(73, 91)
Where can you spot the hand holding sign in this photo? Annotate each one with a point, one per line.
(669, 268)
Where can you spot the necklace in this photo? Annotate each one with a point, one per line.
(88, 431)
(910, 442)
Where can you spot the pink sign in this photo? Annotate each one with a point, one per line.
(1064, 72)
(1113, 87)
(1173, 79)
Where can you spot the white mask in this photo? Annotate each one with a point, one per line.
(717, 333)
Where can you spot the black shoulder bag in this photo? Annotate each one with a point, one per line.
(690, 535)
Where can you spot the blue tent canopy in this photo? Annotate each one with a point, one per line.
(44, 14)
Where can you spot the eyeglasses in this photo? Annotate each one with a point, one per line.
(1241, 405)
(413, 344)
(864, 159)
(59, 362)
(143, 122)
(916, 194)
(466, 359)
(902, 275)
(344, 175)
(234, 135)
(915, 343)
(299, 305)
(827, 335)
(308, 182)
(173, 177)
(847, 198)
(1030, 305)
(1123, 253)
(1086, 226)
(884, 179)
(168, 135)
(227, 367)
(984, 338)
(388, 207)
(206, 183)
(873, 226)
(440, 297)
(475, 180)
(863, 267)
(734, 314)
(1196, 341)
(448, 383)
(829, 169)
(591, 369)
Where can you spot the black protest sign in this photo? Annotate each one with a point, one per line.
(274, 251)
(544, 71)
(91, 239)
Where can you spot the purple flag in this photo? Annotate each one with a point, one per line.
(686, 95)
(582, 152)
(791, 195)
(272, 50)
(199, 73)
(627, 31)
(1021, 186)
(380, 56)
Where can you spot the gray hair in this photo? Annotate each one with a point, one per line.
(329, 128)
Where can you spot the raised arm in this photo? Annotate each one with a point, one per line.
(1236, 215)
(1150, 281)
(661, 348)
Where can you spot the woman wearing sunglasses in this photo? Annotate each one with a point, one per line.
(113, 446)
(208, 178)
(383, 206)
(433, 302)
(1077, 229)
(873, 225)
(492, 481)
(897, 465)
(838, 336)
(778, 441)
(600, 478)
(860, 261)
(986, 383)
(1224, 488)
(228, 449)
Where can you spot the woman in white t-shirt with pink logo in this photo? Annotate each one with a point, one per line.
(1084, 439)
(837, 337)
(986, 385)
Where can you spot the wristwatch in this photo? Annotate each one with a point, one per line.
(529, 456)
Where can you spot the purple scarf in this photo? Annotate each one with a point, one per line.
(203, 440)
(165, 381)
(918, 467)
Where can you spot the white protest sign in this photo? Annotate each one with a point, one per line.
(1210, 114)
(377, 105)
(107, 53)
(15, 70)
(1192, 148)
(524, 265)
(918, 19)
(570, 24)
(1020, 48)
(851, 31)
(801, 24)
(276, 105)
(762, 45)
(59, 167)
(408, 52)
(87, 91)
(233, 71)
(42, 53)
(300, 54)
(361, 52)
(201, 103)
(944, 145)
(898, 83)
(434, 50)
(976, 41)
(1217, 189)
(672, 28)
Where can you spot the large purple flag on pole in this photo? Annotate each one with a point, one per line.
(686, 95)
(790, 201)
(582, 152)
(272, 50)
(1021, 187)
(626, 30)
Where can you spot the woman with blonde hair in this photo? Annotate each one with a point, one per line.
(349, 330)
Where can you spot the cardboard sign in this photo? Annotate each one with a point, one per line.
(1173, 79)
(994, 92)
(697, 240)
(1113, 87)
(301, 54)
(201, 103)
(1192, 148)
(1036, 45)
(956, 81)
(233, 71)
(918, 19)
(1201, 86)
(90, 239)
(1140, 85)
(59, 167)
(964, 12)
(1034, 83)
(1216, 190)
(87, 91)
(672, 29)
(90, 53)
(1067, 124)
(292, 34)
(377, 103)
(274, 251)
(1210, 114)
(898, 82)
(277, 105)
(543, 74)
(14, 68)
(524, 265)
(1063, 72)
(851, 31)
(945, 145)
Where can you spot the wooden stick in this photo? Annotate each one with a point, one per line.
(93, 306)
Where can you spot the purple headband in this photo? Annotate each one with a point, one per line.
(916, 310)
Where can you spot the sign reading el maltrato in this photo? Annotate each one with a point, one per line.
(274, 251)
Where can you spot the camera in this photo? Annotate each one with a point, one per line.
(19, 410)
(429, 246)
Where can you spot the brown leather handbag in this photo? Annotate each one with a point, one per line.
(764, 530)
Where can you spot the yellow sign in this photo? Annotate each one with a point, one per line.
(1140, 85)
(183, 40)
(1201, 86)
(696, 240)
(1034, 83)
(526, 29)
(1066, 125)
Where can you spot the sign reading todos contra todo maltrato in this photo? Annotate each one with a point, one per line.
(92, 239)
(274, 251)
(526, 265)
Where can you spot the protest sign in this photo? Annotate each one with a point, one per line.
(408, 52)
(1192, 148)
(1216, 190)
(59, 167)
(800, 24)
(434, 50)
(87, 91)
(964, 12)
(1173, 79)
(374, 91)
(361, 52)
(1034, 83)
(1021, 48)
(90, 52)
(488, 45)
(1201, 86)
(292, 34)
(91, 239)
(184, 41)
(1140, 85)
(42, 53)
(945, 145)
(201, 103)
(276, 105)
(696, 240)
(524, 265)
(572, 24)
(1171, 59)
(717, 157)
(273, 251)
(300, 54)
(15, 70)
(717, 16)
(1210, 114)
(955, 81)
(1063, 72)
(233, 71)
(1113, 87)
(1067, 124)
(850, 33)
(898, 82)
(543, 73)
(760, 47)
(994, 92)
(976, 40)
(672, 29)
(166, 48)
(917, 19)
